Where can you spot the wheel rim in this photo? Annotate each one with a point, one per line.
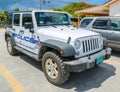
(9, 46)
(51, 68)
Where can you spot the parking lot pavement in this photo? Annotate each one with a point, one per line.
(26, 71)
(4, 86)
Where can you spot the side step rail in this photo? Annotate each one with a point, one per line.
(32, 55)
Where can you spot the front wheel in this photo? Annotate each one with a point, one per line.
(54, 69)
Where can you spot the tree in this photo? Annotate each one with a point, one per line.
(71, 8)
(16, 10)
(3, 16)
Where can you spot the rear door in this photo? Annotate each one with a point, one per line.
(101, 26)
(115, 32)
(16, 28)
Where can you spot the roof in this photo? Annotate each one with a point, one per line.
(110, 3)
(97, 10)
(44, 11)
(103, 17)
(40, 11)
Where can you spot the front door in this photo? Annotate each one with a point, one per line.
(29, 40)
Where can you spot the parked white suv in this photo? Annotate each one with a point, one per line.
(49, 36)
(108, 27)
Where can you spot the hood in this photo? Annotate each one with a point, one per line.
(64, 32)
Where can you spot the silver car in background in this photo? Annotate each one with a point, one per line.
(108, 27)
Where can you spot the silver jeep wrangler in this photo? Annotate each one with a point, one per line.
(107, 26)
(49, 36)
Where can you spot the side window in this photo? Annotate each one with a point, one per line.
(16, 21)
(85, 22)
(115, 25)
(26, 18)
(100, 24)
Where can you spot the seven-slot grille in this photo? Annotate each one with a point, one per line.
(92, 43)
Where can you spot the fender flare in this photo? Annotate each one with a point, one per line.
(7, 33)
(58, 45)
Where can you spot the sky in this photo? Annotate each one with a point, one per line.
(25, 4)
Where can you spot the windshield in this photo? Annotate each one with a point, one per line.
(85, 22)
(51, 18)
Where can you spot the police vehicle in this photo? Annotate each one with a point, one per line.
(49, 37)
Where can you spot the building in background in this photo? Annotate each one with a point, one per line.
(110, 8)
(100, 10)
(114, 7)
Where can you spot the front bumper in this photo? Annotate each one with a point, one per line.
(86, 62)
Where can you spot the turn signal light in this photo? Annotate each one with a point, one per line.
(61, 52)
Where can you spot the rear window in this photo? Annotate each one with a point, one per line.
(100, 24)
(115, 24)
(16, 21)
(85, 22)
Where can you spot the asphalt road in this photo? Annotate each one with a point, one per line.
(23, 74)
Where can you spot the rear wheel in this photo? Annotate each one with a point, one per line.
(12, 51)
(54, 69)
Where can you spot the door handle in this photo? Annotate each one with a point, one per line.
(13, 29)
(21, 32)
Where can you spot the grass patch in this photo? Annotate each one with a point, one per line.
(2, 27)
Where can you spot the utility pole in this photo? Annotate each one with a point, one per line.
(41, 1)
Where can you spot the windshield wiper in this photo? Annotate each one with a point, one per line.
(68, 25)
(53, 26)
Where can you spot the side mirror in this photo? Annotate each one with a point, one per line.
(29, 25)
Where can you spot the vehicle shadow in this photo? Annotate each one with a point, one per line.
(31, 61)
(89, 79)
(83, 81)
(116, 53)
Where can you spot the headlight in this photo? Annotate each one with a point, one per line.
(101, 39)
(77, 44)
(105, 42)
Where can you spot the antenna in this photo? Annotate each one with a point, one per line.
(41, 1)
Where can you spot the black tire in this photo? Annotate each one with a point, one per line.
(107, 57)
(62, 75)
(12, 51)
